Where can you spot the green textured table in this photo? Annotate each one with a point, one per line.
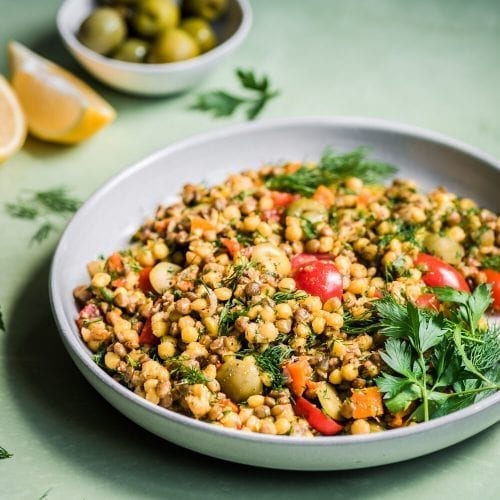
(434, 64)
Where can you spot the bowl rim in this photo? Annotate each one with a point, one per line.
(218, 51)
(69, 335)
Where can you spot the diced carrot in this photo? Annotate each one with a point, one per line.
(324, 196)
(115, 263)
(199, 223)
(118, 282)
(367, 402)
(232, 246)
(299, 373)
(292, 167)
(397, 419)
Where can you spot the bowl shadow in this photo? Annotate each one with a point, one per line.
(80, 428)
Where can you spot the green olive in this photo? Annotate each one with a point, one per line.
(103, 30)
(132, 50)
(239, 378)
(173, 45)
(208, 9)
(305, 208)
(444, 248)
(201, 31)
(154, 16)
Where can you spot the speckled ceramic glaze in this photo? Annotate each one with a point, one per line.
(106, 222)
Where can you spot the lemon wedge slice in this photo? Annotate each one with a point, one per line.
(12, 121)
(59, 107)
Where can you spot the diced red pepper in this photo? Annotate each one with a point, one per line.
(270, 215)
(144, 283)
(316, 418)
(147, 337)
(428, 301)
(281, 199)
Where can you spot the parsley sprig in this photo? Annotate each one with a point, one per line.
(221, 103)
(43, 207)
(4, 453)
(331, 169)
(439, 363)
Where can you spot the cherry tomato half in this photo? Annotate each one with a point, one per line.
(301, 259)
(320, 278)
(282, 199)
(440, 273)
(493, 278)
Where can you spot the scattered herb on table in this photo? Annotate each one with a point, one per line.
(491, 262)
(44, 207)
(331, 169)
(439, 363)
(4, 453)
(221, 103)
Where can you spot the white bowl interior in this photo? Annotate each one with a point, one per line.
(108, 219)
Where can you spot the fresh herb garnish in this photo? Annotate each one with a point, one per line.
(440, 363)
(43, 206)
(231, 311)
(363, 324)
(280, 297)
(2, 324)
(4, 453)
(332, 168)
(221, 103)
(309, 228)
(491, 262)
(185, 373)
(270, 362)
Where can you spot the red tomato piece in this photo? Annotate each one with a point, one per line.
(147, 337)
(232, 246)
(144, 283)
(440, 273)
(270, 215)
(428, 301)
(316, 418)
(320, 278)
(306, 258)
(493, 278)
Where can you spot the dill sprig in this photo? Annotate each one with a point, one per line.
(43, 206)
(331, 169)
(186, 374)
(4, 453)
(280, 297)
(270, 362)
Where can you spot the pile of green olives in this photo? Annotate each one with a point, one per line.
(152, 31)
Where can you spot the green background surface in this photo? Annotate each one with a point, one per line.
(434, 64)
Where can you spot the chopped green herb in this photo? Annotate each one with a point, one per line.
(185, 373)
(270, 362)
(43, 232)
(332, 168)
(4, 453)
(231, 311)
(221, 103)
(280, 297)
(309, 228)
(491, 262)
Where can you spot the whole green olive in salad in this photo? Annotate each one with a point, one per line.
(306, 208)
(154, 16)
(103, 30)
(173, 45)
(240, 378)
(201, 31)
(132, 50)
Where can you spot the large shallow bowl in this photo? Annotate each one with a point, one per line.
(108, 219)
(153, 79)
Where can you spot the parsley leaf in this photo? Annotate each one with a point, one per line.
(221, 103)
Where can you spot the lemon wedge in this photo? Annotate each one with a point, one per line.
(59, 107)
(12, 121)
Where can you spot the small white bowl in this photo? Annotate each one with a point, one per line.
(153, 79)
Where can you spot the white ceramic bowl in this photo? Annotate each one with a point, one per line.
(107, 224)
(153, 79)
